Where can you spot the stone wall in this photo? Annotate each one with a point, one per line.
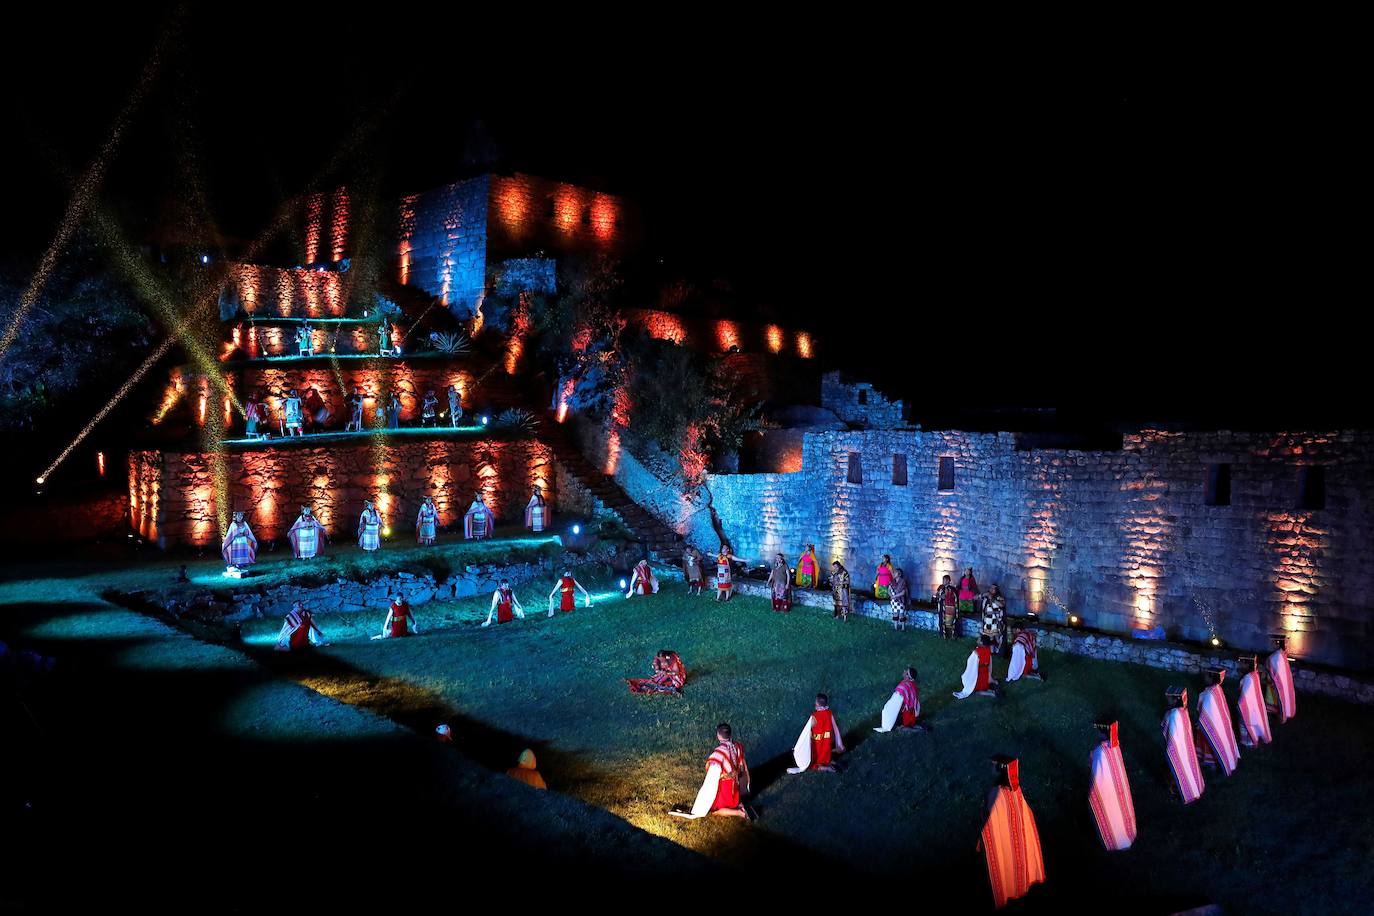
(179, 498)
(723, 335)
(1124, 538)
(442, 243)
(282, 292)
(528, 213)
(860, 404)
(60, 519)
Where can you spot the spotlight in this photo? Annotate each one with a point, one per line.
(1073, 620)
(577, 529)
(1216, 642)
(484, 420)
(41, 481)
(386, 532)
(624, 584)
(205, 259)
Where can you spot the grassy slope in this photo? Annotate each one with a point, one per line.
(905, 802)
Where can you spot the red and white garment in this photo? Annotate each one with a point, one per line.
(1254, 717)
(721, 788)
(644, 581)
(537, 512)
(1023, 660)
(905, 703)
(819, 736)
(1182, 753)
(478, 522)
(1110, 795)
(1010, 842)
(1214, 721)
(1285, 703)
(297, 632)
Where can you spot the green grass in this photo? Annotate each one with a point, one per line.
(903, 803)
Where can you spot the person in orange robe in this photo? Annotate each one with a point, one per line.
(1010, 840)
(525, 770)
(818, 740)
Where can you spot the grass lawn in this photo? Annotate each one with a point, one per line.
(1287, 833)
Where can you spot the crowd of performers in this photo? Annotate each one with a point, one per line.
(307, 536)
(307, 410)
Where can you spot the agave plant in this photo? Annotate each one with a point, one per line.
(452, 344)
(517, 418)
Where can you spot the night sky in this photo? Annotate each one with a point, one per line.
(1134, 242)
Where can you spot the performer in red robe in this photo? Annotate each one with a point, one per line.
(400, 619)
(504, 605)
(1110, 796)
(299, 631)
(1024, 660)
(819, 738)
(977, 676)
(1216, 736)
(1281, 697)
(905, 703)
(1254, 717)
(1010, 840)
(567, 588)
(1178, 745)
(670, 674)
(642, 580)
(727, 781)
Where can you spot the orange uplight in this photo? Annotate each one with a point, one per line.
(582, 339)
(338, 227)
(775, 338)
(313, 213)
(513, 208)
(405, 263)
(228, 411)
(100, 463)
(727, 335)
(665, 326)
(603, 216)
(200, 413)
(803, 345)
(407, 230)
(567, 209)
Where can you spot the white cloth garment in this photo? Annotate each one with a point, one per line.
(970, 676)
(891, 711)
(1018, 662)
(706, 797)
(801, 751)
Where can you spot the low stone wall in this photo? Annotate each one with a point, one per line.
(65, 520)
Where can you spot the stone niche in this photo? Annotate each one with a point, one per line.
(186, 498)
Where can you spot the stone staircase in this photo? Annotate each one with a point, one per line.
(662, 542)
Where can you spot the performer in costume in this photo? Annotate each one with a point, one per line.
(429, 409)
(306, 535)
(566, 587)
(384, 340)
(369, 528)
(1254, 717)
(355, 410)
(253, 414)
(299, 631)
(316, 408)
(293, 414)
(642, 580)
(526, 770)
(537, 511)
(305, 346)
(393, 411)
(1025, 662)
(726, 783)
(900, 593)
(882, 582)
(1281, 697)
(820, 737)
(839, 590)
(427, 521)
(780, 584)
(693, 570)
(479, 522)
(994, 607)
(1216, 736)
(946, 605)
(904, 704)
(669, 675)
(725, 586)
(400, 619)
(1010, 840)
(968, 592)
(1110, 794)
(809, 569)
(240, 547)
(1178, 745)
(977, 677)
(455, 406)
(504, 605)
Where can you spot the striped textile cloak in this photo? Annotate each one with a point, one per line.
(1254, 717)
(1110, 796)
(1182, 754)
(1010, 842)
(1214, 721)
(1285, 699)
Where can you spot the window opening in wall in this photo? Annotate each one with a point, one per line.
(946, 474)
(863, 395)
(856, 468)
(1312, 487)
(1218, 491)
(899, 470)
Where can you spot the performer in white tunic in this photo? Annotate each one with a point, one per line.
(479, 522)
(820, 738)
(1010, 840)
(240, 546)
(1282, 698)
(977, 676)
(306, 535)
(1218, 745)
(369, 528)
(1110, 795)
(1179, 747)
(905, 703)
(1025, 662)
(1254, 717)
(537, 511)
(727, 781)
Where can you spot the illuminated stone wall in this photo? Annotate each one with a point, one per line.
(283, 293)
(860, 403)
(527, 213)
(443, 243)
(721, 335)
(1122, 538)
(271, 485)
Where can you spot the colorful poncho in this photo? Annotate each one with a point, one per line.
(240, 547)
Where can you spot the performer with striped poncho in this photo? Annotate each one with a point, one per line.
(299, 631)
(725, 582)
(1178, 746)
(369, 528)
(727, 781)
(820, 737)
(479, 522)
(642, 580)
(1254, 717)
(905, 703)
(240, 546)
(1217, 747)
(427, 521)
(1110, 794)
(1281, 697)
(537, 511)
(1010, 840)
(670, 674)
(306, 535)
(1024, 661)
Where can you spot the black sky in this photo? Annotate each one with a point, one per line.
(1125, 235)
